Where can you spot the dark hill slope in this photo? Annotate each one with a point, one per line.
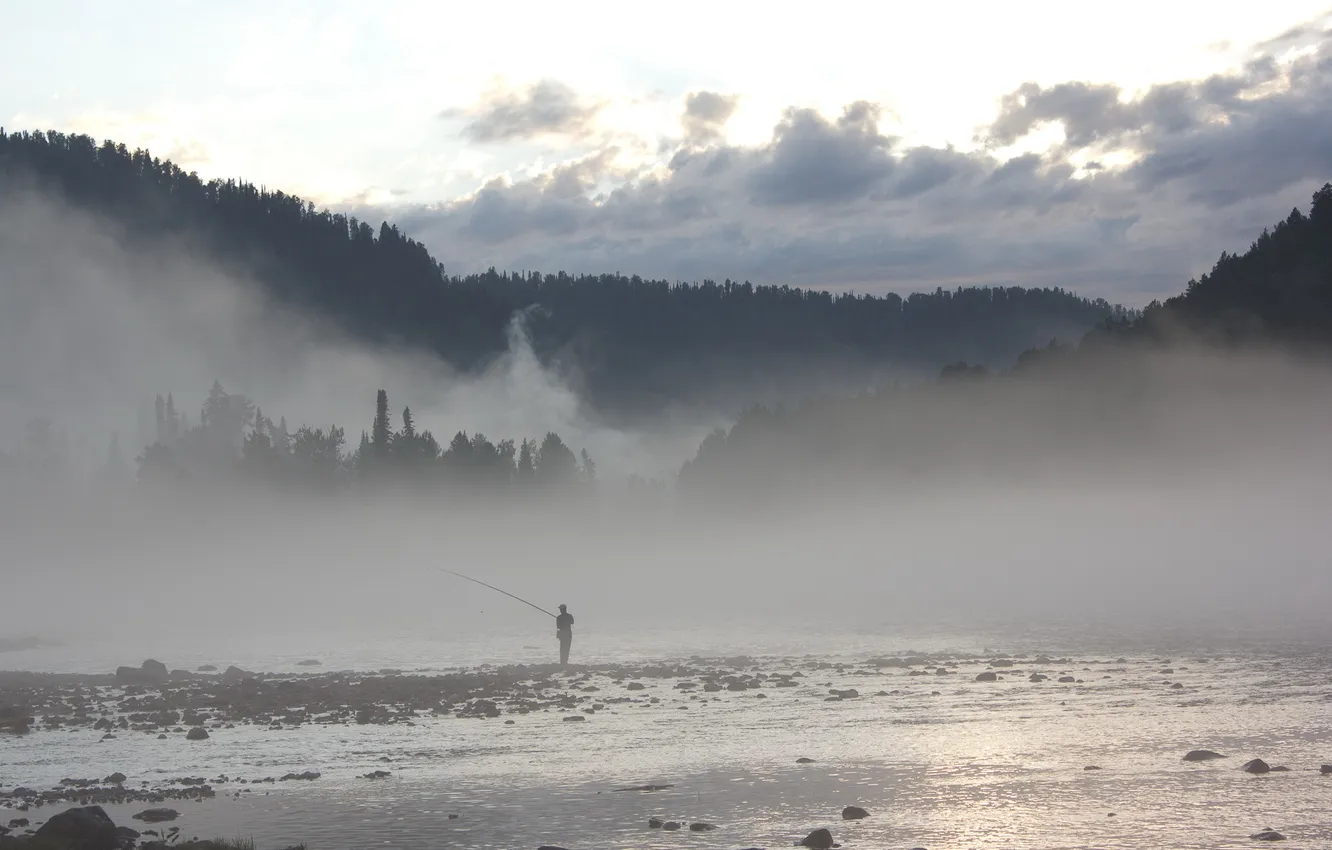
(636, 345)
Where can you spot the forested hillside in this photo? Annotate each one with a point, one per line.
(634, 345)
(1237, 354)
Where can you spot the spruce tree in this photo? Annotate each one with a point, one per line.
(381, 432)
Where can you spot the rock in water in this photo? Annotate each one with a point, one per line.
(1256, 766)
(1326, 770)
(309, 662)
(234, 674)
(854, 813)
(157, 815)
(699, 826)
(655, 823)
(307, 776)
(1201, 755)
(141, 675)
(670, 826)
(819, 839)
(86, 828)
(116, 778)
(153, 667)
(1268, 835)
(198, 733)
(987, 676)
(803, 760)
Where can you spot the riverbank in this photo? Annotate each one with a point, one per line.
(942, 750)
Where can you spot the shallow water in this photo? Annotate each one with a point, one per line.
(942, 761)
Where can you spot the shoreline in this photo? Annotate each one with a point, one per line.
(765, 748)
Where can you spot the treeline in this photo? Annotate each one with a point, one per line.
(233, 441)
(234, 438)
(1123, 394)
(640, 345)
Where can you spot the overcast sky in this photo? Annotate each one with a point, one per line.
(1116, 150)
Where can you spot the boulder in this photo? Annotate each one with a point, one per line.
(157, 815)
(1067, 679)
(114, 779)
(655, 823)
(153, 667)
(234, 674)
(309, 662)
(699, 826)
(307, 776)
(804, 760)
(819, 839)
(142, 675)
(1326, 770)
(854, 813)
(198, 733)
(84, 828)
(1268, 835)
(1256, 766)
(206, 668)
(987, 676)
(670, 826)
(1201, 755)
(16, 719)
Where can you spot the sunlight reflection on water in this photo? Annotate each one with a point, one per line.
(977, 764)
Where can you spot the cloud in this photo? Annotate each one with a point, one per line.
(1102, 114)
(1300, 35)
(706, 114)
(547, 107)
(1144, 192)
(812, 159)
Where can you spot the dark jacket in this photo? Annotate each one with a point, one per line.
(564, 623)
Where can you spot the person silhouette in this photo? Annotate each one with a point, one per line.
(564, 631)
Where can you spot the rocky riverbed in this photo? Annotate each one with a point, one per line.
(634, 748)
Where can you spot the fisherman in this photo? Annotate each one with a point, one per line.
(564, 631)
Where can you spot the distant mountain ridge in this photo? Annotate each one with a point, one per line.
(640, 346)
(1134, 396)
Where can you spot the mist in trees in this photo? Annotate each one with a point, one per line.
(234, 441)
(637, 347)
(1227, 382)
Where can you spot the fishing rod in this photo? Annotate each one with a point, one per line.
(497, 590)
